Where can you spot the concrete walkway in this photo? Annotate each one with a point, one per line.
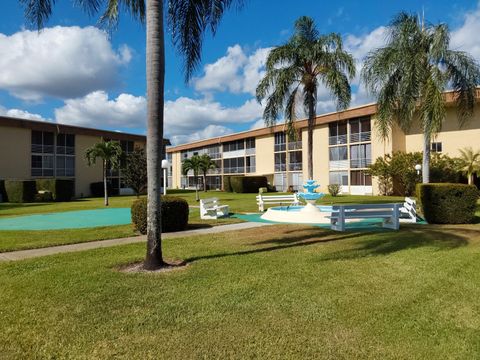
(33, 253)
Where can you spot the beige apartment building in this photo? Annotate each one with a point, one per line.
(344, 144)
(37, 149)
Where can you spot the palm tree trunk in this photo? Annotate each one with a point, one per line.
(470, 178)
(105, 187)
(311, 124)
(426, 158)
(204, 182)
(155, 92)
(197, 198)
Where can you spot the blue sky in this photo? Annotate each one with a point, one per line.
(74, 73)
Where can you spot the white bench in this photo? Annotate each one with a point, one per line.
(211, 209)
(389, 213)
(408, 212)
(263, 200)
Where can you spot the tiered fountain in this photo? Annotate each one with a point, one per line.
(308, 214)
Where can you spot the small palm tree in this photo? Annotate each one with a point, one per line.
(206, 163)
(469, 163)
(111, 154)
(193, 164)
(409, 75)
(295, 70)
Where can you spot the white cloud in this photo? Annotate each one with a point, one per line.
(210, 131)
(63, 62)
(22, 114)
(466, 36)
(97, 110)
(235, 72)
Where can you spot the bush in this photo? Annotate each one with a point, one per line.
(46, 196)
(3, 193)
(174, 214)
(334, 189)
(60, 189)
(247, 184)
(96, 189)
(227, 186)
(448, 203)
(20, 191)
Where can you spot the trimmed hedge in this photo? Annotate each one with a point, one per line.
(248, 184)
(96, 189)
(174, 214)
(444, 203)
(20, 191)
(227, 186)
(3, 193)
(61, 189)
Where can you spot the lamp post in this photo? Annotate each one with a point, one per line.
(165, 166)
(418, 167)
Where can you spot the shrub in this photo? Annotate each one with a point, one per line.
(60, 189)
(227, 186)
(135, 171)
(448, 203)
(174, 214)
(247, 184)
(20, 191)
(3, 193)
(46, 196)
(334, 189)
(96, 189)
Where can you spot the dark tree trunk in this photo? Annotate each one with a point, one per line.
(105, 187)
(311, 125)
(426, 158)
(155, 88)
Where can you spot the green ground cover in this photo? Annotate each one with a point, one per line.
(273, 292)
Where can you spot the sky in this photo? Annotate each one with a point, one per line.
(73, 72)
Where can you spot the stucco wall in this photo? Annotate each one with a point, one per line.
(265, 160)
(320, 157)
(15, 158)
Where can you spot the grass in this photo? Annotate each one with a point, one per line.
(22, 240)
(277, 292)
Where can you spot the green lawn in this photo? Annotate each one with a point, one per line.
(21, 240)
(277, 292)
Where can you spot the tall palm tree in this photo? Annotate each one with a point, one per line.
(469, 163)
(409, 75)
(295, 70)
(206, 163)
(111, 154)
(188, 20)
(193, 164)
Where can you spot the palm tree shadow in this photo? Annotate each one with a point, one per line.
(407, 238)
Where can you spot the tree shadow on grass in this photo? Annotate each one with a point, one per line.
(408, 238)
(373, 243)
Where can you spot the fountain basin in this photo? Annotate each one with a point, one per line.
(308, 214)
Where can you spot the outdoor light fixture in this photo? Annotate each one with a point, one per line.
(418, 167)
(165, 166)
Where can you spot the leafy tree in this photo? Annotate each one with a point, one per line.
(135, 171)
(206, 163)
(295, 70)
(409, 75)
(469, 163)
(382, 170)
(188, 21)
(193, 164)
(111, 153)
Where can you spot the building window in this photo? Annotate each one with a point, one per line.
(52, 155)
(295, 161)
(234, 165)
(338, 153)
(296, 144)
(280, 142)
(338, 177)
(234, 146)
(436, 147)
(360, 178)
(281, 161)
(360, 155)
(338, 133)
(360, 129)
(250, 164)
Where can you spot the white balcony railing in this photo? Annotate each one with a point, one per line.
(338, 165)
(360, 163)
(360, 137)
(234, 170)
(337, 140)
